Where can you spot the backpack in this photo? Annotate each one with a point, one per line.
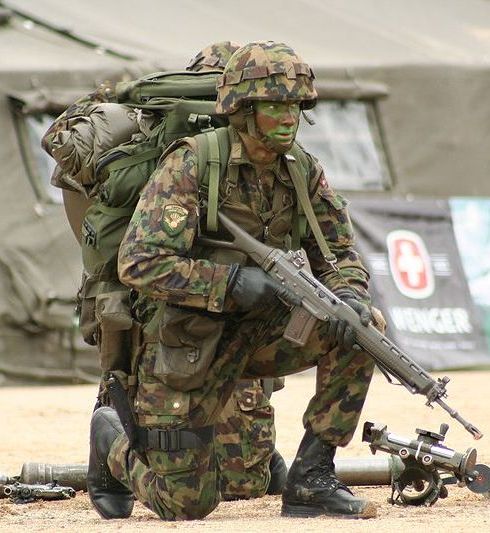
(121, 172)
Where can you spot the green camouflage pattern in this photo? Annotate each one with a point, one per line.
(213, 57)
(173, 267)
(245, 437)
(265, 70)
(185, 485)
(157, 263)
(162, 266)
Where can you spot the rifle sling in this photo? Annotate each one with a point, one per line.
(304, 200)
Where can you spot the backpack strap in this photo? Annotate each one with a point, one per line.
(213, 153)
(298, 176)
(213, 185)
(131, 160)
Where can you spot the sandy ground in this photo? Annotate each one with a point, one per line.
(50, 424)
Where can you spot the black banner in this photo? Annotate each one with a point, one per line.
(418, 281)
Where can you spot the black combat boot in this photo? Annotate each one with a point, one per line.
(312, 488)
(110, 498)
(279, 473)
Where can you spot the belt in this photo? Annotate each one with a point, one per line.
(173, 440)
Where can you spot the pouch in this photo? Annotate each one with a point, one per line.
(86, 305)
(188, 342)
(112, 311)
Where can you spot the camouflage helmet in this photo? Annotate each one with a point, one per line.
(265, 70)
(215, 56)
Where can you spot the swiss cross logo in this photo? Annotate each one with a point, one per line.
(410, 264)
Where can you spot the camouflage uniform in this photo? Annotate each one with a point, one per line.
(161, 258)
(245, 433)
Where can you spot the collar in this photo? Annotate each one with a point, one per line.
(239, 156)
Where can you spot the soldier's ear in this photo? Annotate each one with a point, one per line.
(237, 120)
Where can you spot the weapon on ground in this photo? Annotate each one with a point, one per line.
(70, 475)
(24, 493)
(425, 461)
(368, 471)
(319, 303)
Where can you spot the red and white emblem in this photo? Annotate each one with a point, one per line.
(410, 264)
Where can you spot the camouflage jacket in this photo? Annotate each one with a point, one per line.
(160, 255)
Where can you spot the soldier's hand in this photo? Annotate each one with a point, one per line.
(251, 286)
(340, 330)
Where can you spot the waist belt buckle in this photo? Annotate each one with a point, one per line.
(170, 440)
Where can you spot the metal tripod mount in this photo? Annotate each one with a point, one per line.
(427, 462)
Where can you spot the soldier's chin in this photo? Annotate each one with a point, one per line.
(282, 148)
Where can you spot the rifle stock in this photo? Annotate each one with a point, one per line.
(319, 303)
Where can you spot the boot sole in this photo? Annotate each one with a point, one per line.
(309, 511)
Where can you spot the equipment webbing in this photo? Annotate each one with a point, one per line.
(213, 185)
(304, 199)
(132, 160)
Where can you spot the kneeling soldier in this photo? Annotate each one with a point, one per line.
(221, 319)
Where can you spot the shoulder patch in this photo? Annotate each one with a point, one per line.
(174, 219)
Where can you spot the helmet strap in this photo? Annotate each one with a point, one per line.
(308, 118)
(252, 130)
(249, 114)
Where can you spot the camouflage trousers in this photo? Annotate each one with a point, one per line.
(244, 441)
(185, 484)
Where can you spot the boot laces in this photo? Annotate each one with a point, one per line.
(322, 475)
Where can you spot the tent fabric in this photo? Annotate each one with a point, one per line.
(433, 56)
(40, 261)
(333, 33)
(424, 65)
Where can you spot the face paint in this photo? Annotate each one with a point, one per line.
(277, 122)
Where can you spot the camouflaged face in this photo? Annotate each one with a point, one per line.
(214, 56)
(265, 71)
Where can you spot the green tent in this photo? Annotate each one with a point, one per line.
(40, 266)
(404, 104)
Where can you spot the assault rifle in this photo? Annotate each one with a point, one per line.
(319, 303)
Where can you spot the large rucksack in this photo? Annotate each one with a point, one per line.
(169, 106)
(120, 174)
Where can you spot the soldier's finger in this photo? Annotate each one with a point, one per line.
(341, 334)
(349, 338)
(287, 296)
(366, 316)
(332, 328)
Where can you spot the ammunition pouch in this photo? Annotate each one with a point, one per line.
(105, 320)
(187, 346)
(86, 309)
(112, 312)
